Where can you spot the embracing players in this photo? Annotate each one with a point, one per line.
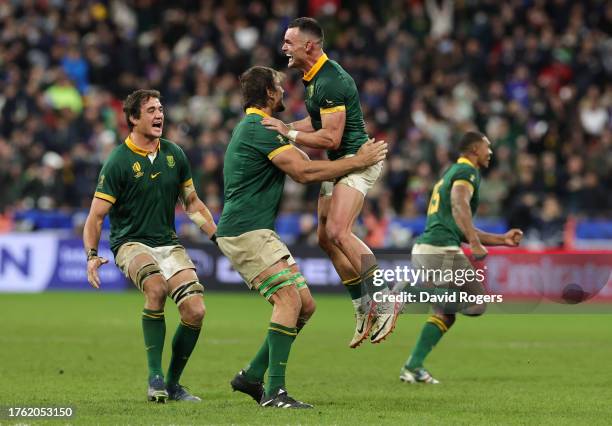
(256, 163)
(335, 123)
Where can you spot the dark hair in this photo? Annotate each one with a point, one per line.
(132, 104)
(255, 83)
(469, 139)
(308, 25)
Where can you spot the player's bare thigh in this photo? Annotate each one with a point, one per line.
(344, 208)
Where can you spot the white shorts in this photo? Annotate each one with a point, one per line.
(169, 259)
(362, 180)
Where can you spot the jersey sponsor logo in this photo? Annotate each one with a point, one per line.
(281, 139)
(154, 175)
(170, 161)
(100, 181)
(137, 168)
(310, 91)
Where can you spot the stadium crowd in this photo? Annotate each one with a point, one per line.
(534, 75)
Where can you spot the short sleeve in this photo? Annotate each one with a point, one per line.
(109, 182)
(185, 176)
(465, 175)
(270, 143)
(330, 96)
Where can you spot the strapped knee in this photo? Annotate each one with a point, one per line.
(145, 272)
(185, 291)
(273, 283)
(299, 280)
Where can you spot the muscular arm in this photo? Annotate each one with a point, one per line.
(328, 137)
(489, 239)
(296, 163)
(460, 204)
(460, 201)
(93, 225)
(91, 238)
(330, 134)
(303, 125)
(198, 212)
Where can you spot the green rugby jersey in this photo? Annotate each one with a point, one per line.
(441, 229)
(253, 185)
(143, 194)
(329, 89)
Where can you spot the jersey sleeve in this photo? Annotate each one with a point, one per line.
(330, 96)
(270, 143)
(185, 176)
(465, 176)
(109, 182)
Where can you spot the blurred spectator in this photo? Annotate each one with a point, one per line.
(535, 76)
(549, 223)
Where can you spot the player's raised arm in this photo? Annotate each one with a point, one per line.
(91, 238)
(296, 163)
(461, 193)
(197, 210)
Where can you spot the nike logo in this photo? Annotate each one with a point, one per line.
(154, 175)
(380, 329)
(360, 329)
(149, 347)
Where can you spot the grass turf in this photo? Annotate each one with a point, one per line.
(85, 351)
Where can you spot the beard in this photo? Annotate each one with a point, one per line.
(279, 107)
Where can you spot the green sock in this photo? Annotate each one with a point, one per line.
(353, 286)
(280, 339)
(154, 330)
(258, 366)
(185, 339)
(432, 332)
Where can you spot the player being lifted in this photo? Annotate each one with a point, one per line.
(335, 123)
(256, 163)
(139, 186)
(453, 203)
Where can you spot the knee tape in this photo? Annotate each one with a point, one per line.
(145, 272)
(185, 291)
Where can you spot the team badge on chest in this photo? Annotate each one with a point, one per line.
(170, 161)
(137, 168)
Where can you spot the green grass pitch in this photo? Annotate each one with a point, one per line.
(86, 351)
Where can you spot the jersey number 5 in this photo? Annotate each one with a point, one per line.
(434, 203)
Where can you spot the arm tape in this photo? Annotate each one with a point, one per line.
(197, 218)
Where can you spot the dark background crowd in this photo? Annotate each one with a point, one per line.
(533, 75)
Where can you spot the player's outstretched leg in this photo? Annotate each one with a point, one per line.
(187, 293)
(435, 327)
